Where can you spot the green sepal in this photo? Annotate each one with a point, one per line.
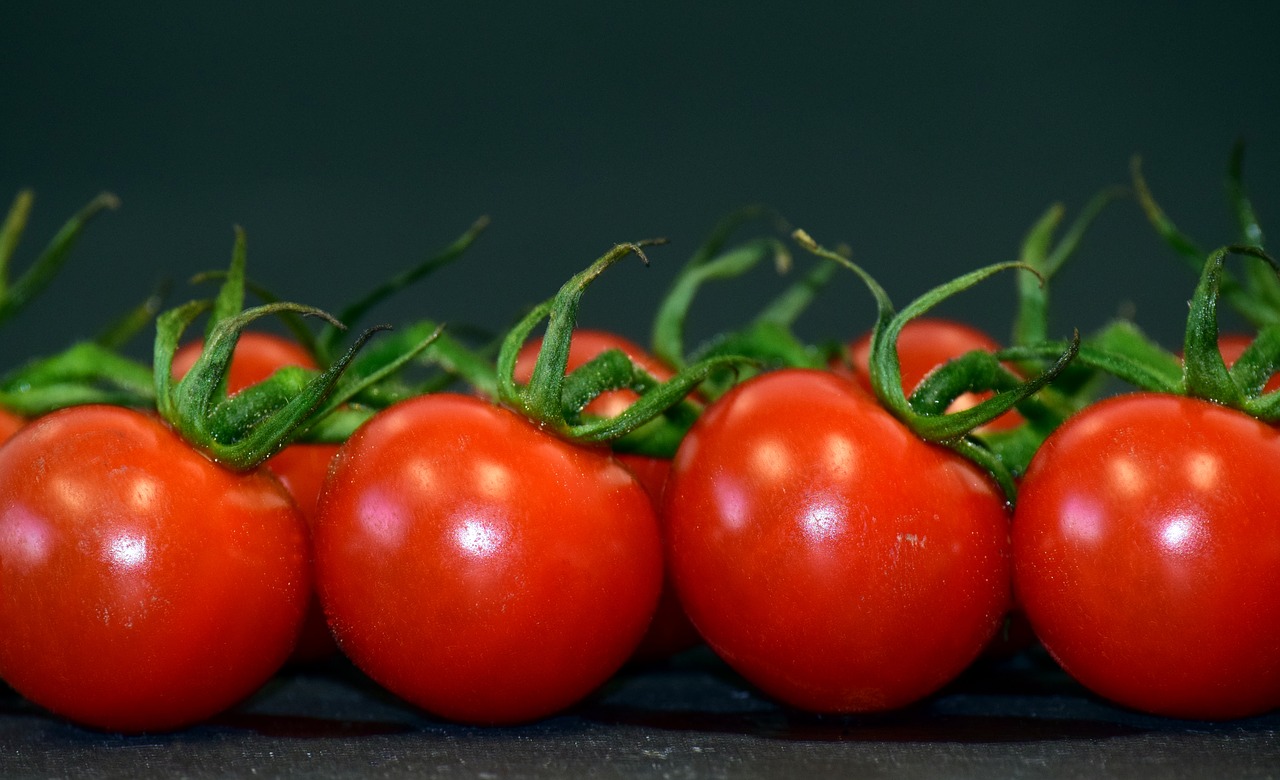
(673, 311)
(1258, 303)
(84, 373)
(323, 346)
(328, 338)
(1258, 363)
(540, 400)
(1205, 372)
(653, 402)
(16, 294)
(1121, 351)
(1046, 258)
(239, 433)
(949, 429)
(124, 328)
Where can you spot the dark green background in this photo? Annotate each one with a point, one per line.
(351, 139)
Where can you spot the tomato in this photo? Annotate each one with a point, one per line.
(142, 586)
(827, 554)
(9, 424)
(1147, 550)
(480, 568)
(301, 468)
(256, 357)
(671, 632)
(923, 345)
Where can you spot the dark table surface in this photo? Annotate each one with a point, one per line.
(687, 718)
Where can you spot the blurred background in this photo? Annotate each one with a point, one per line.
(352, 140)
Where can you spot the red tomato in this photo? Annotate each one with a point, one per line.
(831, 557)
(1147, 547)
(142, 586)
(301, 468)
(671, 632)
(923, 345)
(9, 424)
(480, 568)
(257, 356)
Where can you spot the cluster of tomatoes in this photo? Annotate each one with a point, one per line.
(848, 531)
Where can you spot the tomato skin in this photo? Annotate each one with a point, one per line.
(480, 568)
(142, 587)
(670, 632)
(301, 469)
(9, 424)
(830, 556)
(923, 345)
(257, 356)
(1147, 549)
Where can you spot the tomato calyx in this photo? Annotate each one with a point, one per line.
(243, 429)
(16, 294)
(323, 344)
(768, 338)
(924, 411)
(87, 372)
(1255, 296)
(556, 401)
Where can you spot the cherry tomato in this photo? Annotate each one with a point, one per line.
(9, 424)
(826, 553)
(301, 468)
(257, 356)
(480, 568)
(923, 345)
(671, 632)
(142, 586)
(1147, 550)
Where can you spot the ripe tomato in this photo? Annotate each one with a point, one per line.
(831, 557)
(9, 424)
(301, 468)
(257, 356)
(923, 345)
(1147, 551)
(480, 568)
(671, 632)
(142, 586)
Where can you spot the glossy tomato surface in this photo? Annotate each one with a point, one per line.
(923, 345)
(828, 555)
(257, 356)
(142, 587)
(670, 632)
(480, 568)
(302, 468)
(1147, 549)
(9, 424)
